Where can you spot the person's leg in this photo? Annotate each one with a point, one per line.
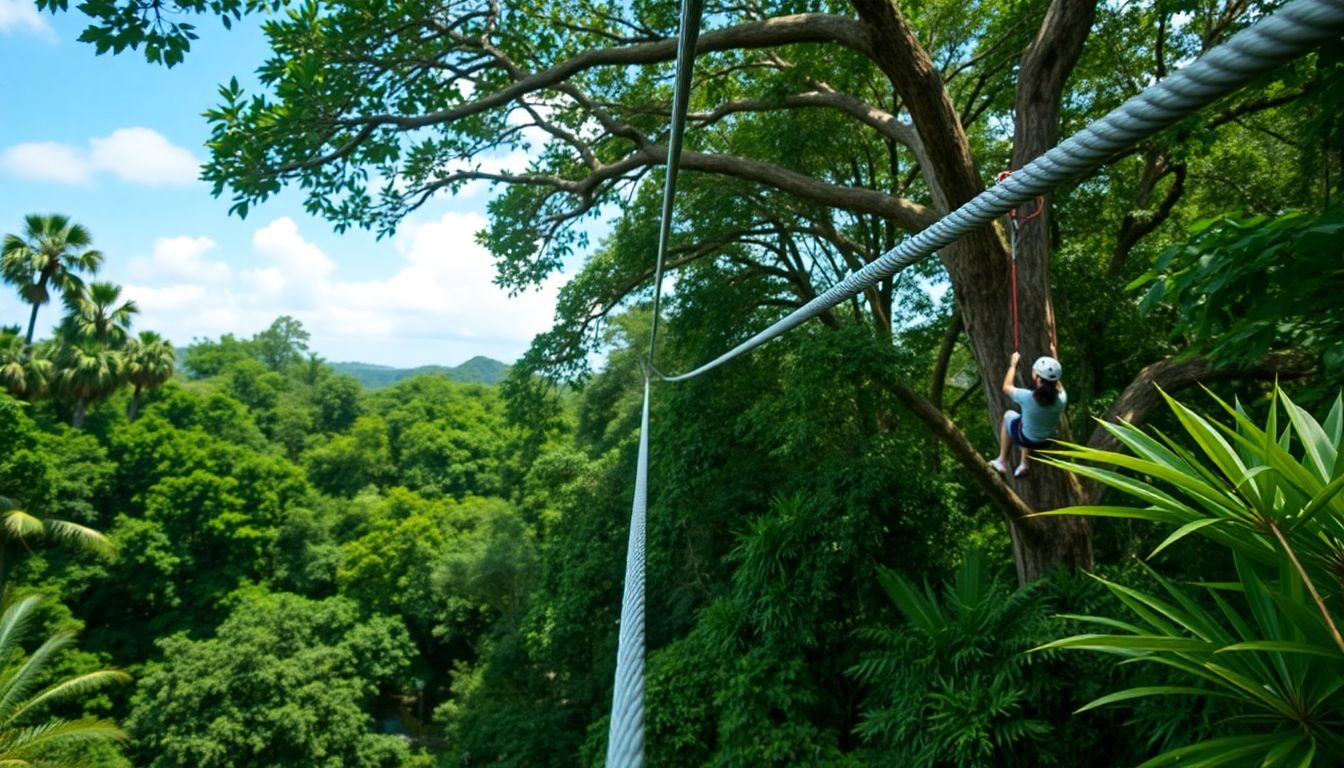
(1000, 462)
(1022, 466)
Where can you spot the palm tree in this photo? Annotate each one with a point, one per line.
(51, 251)
(16, 524)
(149, 363)
(28, 738)
(22, 375)
(93, 314)
(88, 370)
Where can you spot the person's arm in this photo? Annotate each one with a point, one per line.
(1011, 375)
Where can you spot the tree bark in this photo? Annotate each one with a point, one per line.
(77, 421)
(32, 323)
(135, 405)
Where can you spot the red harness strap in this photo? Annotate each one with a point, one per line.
(1016, 222)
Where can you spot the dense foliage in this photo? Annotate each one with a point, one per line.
(313, 574)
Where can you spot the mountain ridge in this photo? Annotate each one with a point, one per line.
(477, 370)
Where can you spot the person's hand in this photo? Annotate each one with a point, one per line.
(1013, 360)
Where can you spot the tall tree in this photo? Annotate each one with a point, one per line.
(90, 364)
(93, 314)
(88, 371)
(51, 252)
(149, 363)
(22, 374)
(905, 110)
(282, 345)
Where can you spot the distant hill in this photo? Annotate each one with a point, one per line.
(477, 370)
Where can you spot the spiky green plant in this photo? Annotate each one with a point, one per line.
(949, 686)
(29, 734)
(1268, 645)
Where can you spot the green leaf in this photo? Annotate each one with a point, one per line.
(1320, 451)
(1143, 692)
(1132, 643)
(1151, 514)
(1228, 750)
(1184, 531)
(1280, 646)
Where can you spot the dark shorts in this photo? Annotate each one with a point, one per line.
(1014, 421)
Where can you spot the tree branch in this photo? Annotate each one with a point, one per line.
(947, 432)
(949, 344)
(783, 30)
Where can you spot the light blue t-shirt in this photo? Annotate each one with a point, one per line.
(1039, 423)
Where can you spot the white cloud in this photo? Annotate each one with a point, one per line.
(439, 305)
(46, 161)
(143, 156)
(134, 155)
(22, 16)
(181, 258)
(171, 298)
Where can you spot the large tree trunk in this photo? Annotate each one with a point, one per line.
(77, 421)
(978, 264)
(1043, 73)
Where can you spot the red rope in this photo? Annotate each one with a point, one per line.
(1016, 222)
(1014, 273)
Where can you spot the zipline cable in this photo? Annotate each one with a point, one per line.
(1289, 32)
(625, 737)
(681, 99)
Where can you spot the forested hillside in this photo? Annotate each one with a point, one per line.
(477, 370)
(271, 565)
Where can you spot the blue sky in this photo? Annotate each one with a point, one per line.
(113, 142)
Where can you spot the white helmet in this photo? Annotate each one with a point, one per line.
(1047, 368)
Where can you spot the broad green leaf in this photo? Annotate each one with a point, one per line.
(1320, 451)
(1129, 513)
(1213, 444)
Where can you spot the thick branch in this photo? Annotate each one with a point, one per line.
(883, 122)
(1139, 224)
(784, 30)
(906, 213)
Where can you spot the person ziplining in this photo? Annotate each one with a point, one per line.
(1042, 408)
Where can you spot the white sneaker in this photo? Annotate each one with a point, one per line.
(998, 465)
(1021, 470)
